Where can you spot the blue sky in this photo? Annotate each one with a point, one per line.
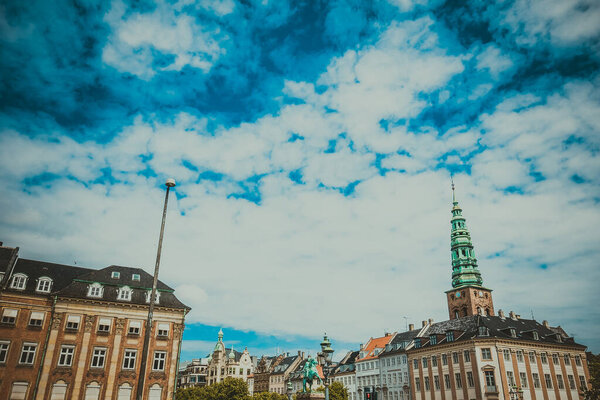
(313, 144)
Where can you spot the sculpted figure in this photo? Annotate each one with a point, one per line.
(310, 373)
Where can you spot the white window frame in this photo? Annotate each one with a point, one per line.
(135, 277)
(115, 275)
(44, 284)
(149, 293)
(37, 316)
(66, 355)
(9, 316)
(124, 293)
(98, 357)
(159, 361)
(19, 281)
(134, 328)
(4, 348)
(28, 353)
(129, 359)
(104, 322)
(162, 329)
(73, 322)
(95, 290)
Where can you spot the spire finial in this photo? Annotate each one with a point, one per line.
(453, 194)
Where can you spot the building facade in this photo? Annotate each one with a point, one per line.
(227, 363)
(345, 373)
(395, 382)
(478, 355)
(193, 373)
(368, 372)
(73, 333)
(281, 372)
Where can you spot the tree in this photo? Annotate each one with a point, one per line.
(229, 389)
(268, 396)
(337, 391)
(593, 392)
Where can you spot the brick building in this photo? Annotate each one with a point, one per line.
(77, 333)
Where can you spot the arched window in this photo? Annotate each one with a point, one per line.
(19, 391)
(487, 312)
(44, 284)
(92, 391)
(155, 392)
(95, 290)
(18, 281)
(59, 391)
(124, 293)
(124, 392)
(479, 311)
(456, 314)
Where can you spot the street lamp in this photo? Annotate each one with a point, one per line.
(290, 389)
(326, 353)
(516, 393)
(141, 380)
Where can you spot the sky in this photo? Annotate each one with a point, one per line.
(313, 143)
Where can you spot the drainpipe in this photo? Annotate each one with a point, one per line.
(39, 374)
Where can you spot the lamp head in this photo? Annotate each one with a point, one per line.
(170, 182)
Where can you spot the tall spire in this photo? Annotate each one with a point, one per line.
(464, 263)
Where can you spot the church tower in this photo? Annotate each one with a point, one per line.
(467, 296)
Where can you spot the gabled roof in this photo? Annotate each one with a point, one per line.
(397, 344)
(284, 365)
(373, 346)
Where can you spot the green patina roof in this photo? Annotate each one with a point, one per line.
(464, 264)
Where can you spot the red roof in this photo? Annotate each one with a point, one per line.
(373, 344)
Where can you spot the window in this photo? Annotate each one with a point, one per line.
(433, 339)
(436, 382)
(18, 281)
(417, 343)
(424, 362)
(548, 380)
(449, 336)
(98, 357)
(135, 277)
(36, 318)
(470, 380)
(486, 354)
(155, 392)
(156, 300)
(571, 382)
(92, 391)
(4, 351)
(567, 359)
(447, 381)
(578, 360)
(544, 358)
(433, 361)
(129, 359)
(134, 327)
(124, 293)
(159, 361)
(490, 381)
(415, 364)
(73, 322)
(426, 381)
(536, 380)
(417, 384)
(536, 336)
(519, 356)
(555, 359)
(125, 391)
(163, 330)
(43, 285)
(513, 332)
(28, 353)
(511, 378)
(523, 376)
(115, 275)
(582, 382)
(559, 381)
(444, 359)
(95, 290)
(458, 380)
(65, 358)
(531, 357)
(506, 354)
(104, 325)
(455, 358)
(59, 391)
(9, 316)
(467, 356)
(19, 390)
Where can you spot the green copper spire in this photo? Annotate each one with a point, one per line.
(464, 263)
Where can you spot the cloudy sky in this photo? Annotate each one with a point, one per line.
(313, 144)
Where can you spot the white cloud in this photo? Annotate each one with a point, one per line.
(494, 61)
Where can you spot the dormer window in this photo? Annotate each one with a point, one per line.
(43, 285)
(135, 277)
(115, 275)
(536, 336)
(450, 336)
(124, 293)
(513, 332)
(149, 293)
(18, 281)
(95, 290)
(417, 343)
(483, 331)
(433, 339)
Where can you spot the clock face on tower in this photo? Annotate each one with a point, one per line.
(457, 294)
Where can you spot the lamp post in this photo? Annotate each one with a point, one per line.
(141, 380)
(290, 389)
(326, 353)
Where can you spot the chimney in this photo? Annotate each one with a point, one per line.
(387, 334)
(361, 346)
(546, 324)
(430, 321)
(300, 354)
(411, 327)
(501, 314)
(512, 315)
(424, 323)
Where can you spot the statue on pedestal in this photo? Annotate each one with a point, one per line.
(310, 373)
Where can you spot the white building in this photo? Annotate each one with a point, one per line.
(345, 373)
(368, 376)
(226, 362)
(393, 362)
